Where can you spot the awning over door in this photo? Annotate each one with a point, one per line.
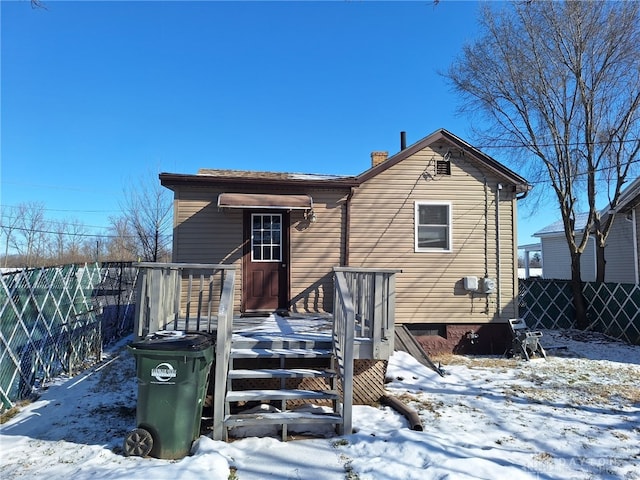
(262, 200)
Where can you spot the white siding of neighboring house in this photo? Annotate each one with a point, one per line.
(620, 267)
(533, 273)
(636, 221)
(556, 259)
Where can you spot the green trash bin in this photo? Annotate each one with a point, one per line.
(173, 374)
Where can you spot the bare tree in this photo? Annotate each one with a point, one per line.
(559, 82)
(30, 236)
(148, 209)
(9, 221)
(76, 235)
(58, 240)
(66, 238)
(122, 243)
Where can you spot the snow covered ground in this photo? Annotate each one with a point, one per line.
(574, 416)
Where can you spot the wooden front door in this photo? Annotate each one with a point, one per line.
(265, 279)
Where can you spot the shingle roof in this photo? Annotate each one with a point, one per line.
(242, 177)
(251, 174)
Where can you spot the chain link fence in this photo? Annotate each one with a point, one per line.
(56, 321)
(612, 308)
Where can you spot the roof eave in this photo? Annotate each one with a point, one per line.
(171, 180)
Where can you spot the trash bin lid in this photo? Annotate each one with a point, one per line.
(171, 340)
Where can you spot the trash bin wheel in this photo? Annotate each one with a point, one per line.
(138, 442)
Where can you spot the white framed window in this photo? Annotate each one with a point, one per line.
(433, 226)
(266, 237)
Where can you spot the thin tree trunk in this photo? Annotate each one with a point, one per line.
(579, 303)
(600, 238)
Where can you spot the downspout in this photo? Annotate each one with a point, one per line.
(486, 228)
(486, 239)
(516, 284)
(347, 227)
(634, 226)
(498, 263)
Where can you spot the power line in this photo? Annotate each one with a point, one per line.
(78, 223)
(70, 234)
(64, 210)
(553, 144)
(582, 174)
(71, 224)
(55, 187)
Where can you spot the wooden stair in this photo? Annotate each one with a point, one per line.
(279, 363)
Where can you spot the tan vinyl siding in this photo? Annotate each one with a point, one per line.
(430, 287)
(315, 249)
(205, 234)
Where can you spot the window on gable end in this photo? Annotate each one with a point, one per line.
(433, 227)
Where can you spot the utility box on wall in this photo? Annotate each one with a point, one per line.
(471, 283)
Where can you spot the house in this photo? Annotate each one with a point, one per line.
(527, 271)
(440, 211)
(621, 250)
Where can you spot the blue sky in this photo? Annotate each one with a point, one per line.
(96, 95)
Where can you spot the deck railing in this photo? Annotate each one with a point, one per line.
(191, 297)
(373, 294)
(223, 351)
(180, 296)
(343, 338)
(364, 306)
(184, 296)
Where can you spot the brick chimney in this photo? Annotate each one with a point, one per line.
(378, 157)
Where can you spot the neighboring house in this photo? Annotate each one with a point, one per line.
(523, 273)
(527, 250)
(440, 211)
(621, 250)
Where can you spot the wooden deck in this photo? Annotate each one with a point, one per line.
(302, 328)
(290, 351)
(269, 324)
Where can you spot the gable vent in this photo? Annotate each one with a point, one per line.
(443, 167)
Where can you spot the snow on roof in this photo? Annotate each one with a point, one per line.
(254, 174)
(558, 227)
(630, 194)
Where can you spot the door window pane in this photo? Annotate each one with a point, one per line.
(266, 237)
